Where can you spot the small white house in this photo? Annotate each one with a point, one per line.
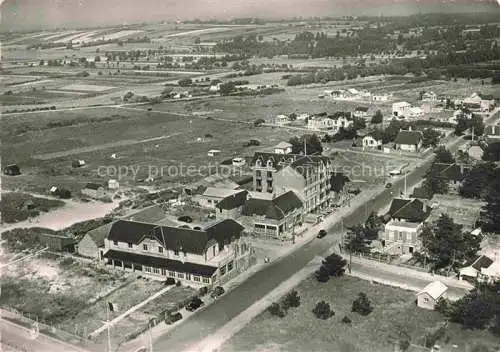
(371, 141)
(281, 120)
(303, 117)
(380, 97)
(113, 184)
(428, 297)
(213, 152)
(214, 88)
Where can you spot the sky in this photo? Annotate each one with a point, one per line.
(48, 14)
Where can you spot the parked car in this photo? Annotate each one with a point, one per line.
(169, 281)
(217, 291)
(194, 304)
(321, 234)
(185, 218)
(173, 317)
(389, 185)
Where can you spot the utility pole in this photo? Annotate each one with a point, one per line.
(305, 146)
(109, 327)
(406, 196)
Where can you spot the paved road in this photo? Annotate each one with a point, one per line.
(19, 339)
(214, 316)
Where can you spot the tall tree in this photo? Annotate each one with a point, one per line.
(477, 180)
(313, 144)
(443, 155)
(445, 244)
(356, 240)
(477, 125)
(491, 211)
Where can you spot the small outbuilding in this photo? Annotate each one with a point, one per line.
(113, 184)
(428, 297)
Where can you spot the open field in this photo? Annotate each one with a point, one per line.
(394, 311)
(149, 149)
(86, 87)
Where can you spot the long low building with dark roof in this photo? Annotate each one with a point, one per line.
(206, 257)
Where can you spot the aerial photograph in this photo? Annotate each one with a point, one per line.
(250, 176)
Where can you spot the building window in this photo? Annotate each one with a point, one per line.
(171, 274)
(426, 300)
(180, 275)
(222, 270)
(196, 278)
(188, 276)
(115, 243)
(147, 269)
(176, 252)
(258, 173)
(130, 245)
(156, 270)
(259, 183)
(269, 174)
(206, 280)
(145, 247)
(164, 272)
(230, 266)
(160, 249)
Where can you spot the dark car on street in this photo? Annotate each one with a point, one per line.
(217, 291)
(194, 304)
(173, 317)
(389, 185)
(321, 234)
(185, 218)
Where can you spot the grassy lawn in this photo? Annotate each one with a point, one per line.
(300, 330)
(19, 206)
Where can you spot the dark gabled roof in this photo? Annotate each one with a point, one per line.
(485, 96)
(338, 181)
(287, 202)
(233, 201)
(362, 108)
(99, 234)
(482, 262)
(409, 209)
(93, 186)
(274, 209)
(223, 231)
(409, 137)
(158, 262)
(452, 172)
(187, 240)
(421, 193)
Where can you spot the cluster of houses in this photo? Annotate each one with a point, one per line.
(287, 190)
(353, 94)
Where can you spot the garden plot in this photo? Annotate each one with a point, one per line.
(86, 87)
(55, 290)
(136, 322)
